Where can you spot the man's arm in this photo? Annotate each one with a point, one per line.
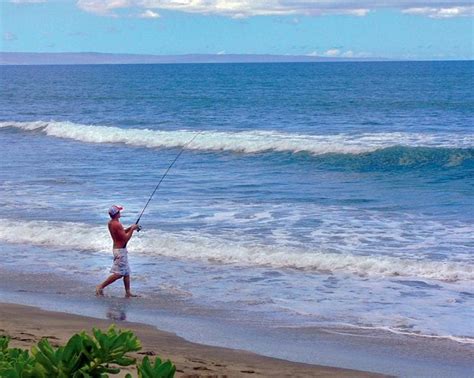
(129, 232)
(134, 226)
(124, 235)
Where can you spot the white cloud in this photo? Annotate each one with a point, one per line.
(338, 53)
(360, 12)
(441, 12)
(27, 1)
(332, 53)
(149, 14)
(249, 8)
(9, 36)
(104, 7)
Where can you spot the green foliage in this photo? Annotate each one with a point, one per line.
(83, 356)
(158, 369)
(14, 362)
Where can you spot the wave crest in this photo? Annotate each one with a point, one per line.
(250, 142)
(218, 250)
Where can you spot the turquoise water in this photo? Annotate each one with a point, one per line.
(333, 194)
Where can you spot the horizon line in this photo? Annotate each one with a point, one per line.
(97, 58)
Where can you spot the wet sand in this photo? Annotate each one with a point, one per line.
(26, 325)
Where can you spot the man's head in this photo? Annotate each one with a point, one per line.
(114, 211)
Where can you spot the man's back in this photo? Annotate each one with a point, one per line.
(118, 234)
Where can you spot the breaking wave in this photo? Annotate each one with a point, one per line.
(194, 246)
(251, 142)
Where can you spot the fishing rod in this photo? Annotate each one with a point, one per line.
(164, 175)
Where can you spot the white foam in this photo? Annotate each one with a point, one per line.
(344, 329)
(191, 245)
(245, 141)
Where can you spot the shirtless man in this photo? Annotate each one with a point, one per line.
(120, 267)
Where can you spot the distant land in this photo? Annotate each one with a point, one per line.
(20, 58)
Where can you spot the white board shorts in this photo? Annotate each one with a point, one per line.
(120, 265)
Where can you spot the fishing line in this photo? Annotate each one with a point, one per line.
(164, 175)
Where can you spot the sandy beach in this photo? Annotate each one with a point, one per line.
(27, 325)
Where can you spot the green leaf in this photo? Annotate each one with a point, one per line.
(124, 361)
(156, 370)
(4, 341)
(111, 370)
(44, 356)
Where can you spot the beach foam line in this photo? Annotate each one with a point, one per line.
(256, 141)
(345, 328)
(195, 246)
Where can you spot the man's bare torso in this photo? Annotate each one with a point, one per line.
(117, 233)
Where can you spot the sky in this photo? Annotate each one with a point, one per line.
(392, 29)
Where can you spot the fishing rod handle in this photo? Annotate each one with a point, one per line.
(139, 227)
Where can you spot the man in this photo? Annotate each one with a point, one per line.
(120, 267)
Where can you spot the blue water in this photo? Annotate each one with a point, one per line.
(335, 194)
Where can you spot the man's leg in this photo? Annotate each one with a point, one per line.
(126, 283)
(99, 289)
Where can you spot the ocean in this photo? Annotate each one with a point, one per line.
(334, 196)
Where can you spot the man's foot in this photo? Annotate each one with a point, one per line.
(130, 295)
(99, 292)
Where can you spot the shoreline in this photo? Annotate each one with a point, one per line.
(207, 332)
(26, 325)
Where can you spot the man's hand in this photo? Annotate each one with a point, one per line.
(135, 227)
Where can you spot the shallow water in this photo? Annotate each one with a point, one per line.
(376, 350)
